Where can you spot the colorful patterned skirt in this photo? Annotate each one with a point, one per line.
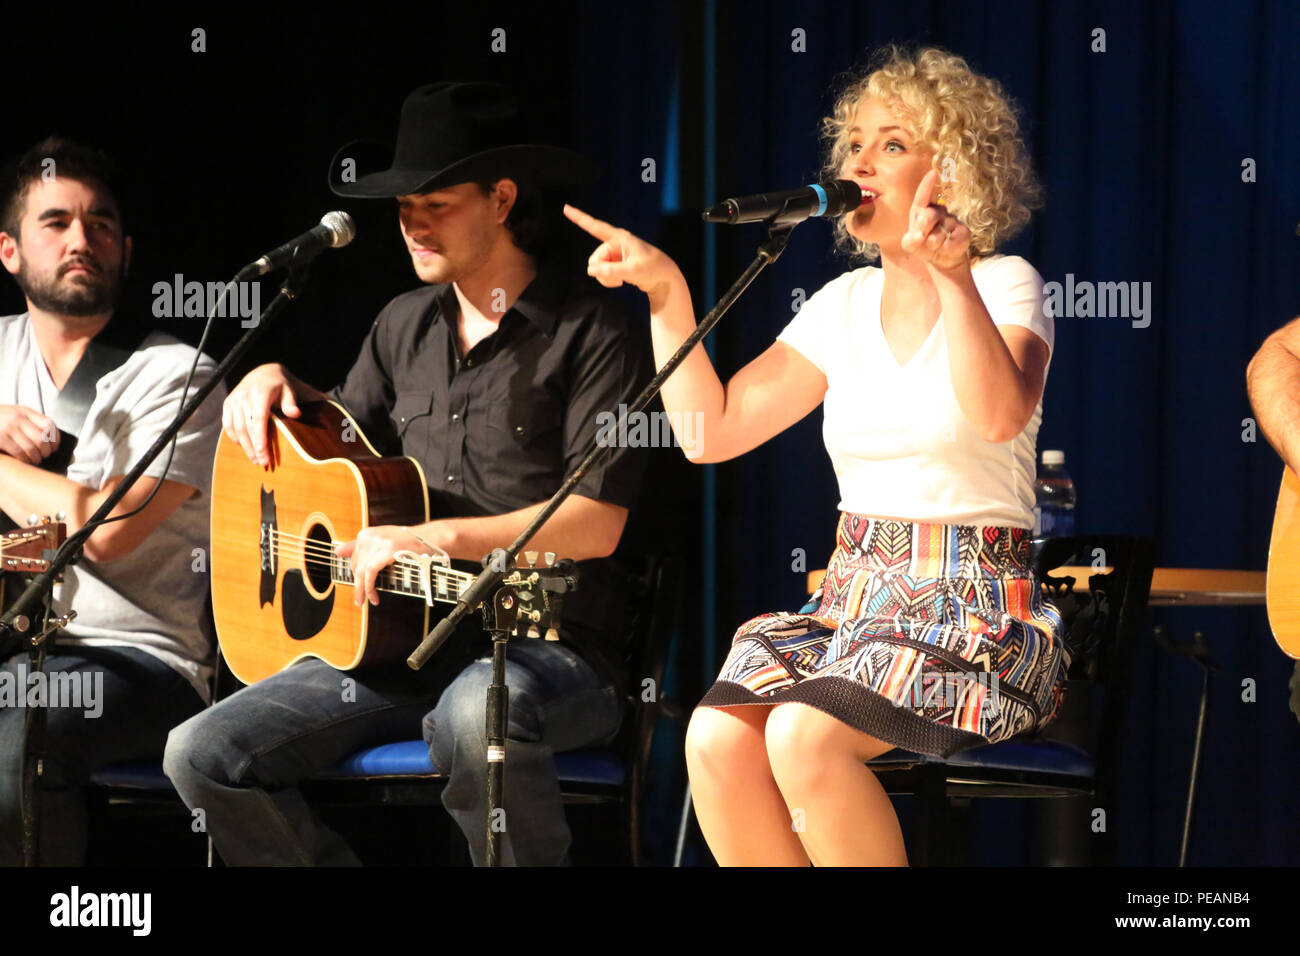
(931, 637)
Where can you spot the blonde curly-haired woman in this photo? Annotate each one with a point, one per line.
(930, 632)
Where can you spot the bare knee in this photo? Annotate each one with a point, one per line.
(803, 742)
(792, 743)
(719, 742)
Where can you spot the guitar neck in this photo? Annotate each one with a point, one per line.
(404, 576)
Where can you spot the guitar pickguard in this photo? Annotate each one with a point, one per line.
(305, 615)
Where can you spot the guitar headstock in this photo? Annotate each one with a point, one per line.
(28, 550)
(529, 600)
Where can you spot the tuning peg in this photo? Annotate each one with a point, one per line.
(549, 557)
(552, 634)
(531, 558)
(33, 520)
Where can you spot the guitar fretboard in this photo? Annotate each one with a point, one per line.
(403, 576)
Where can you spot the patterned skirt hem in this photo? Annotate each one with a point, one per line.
(859, 707)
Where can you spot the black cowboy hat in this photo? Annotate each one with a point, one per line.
(452, 133)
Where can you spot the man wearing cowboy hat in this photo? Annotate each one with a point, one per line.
(492, 377)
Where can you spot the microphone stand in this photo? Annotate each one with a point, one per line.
(500, 562)
(33, 741)
(16, 623)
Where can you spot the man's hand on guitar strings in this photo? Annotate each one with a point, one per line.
(372, 550)
(247, 409)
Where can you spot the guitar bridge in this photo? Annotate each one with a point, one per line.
(266, 548)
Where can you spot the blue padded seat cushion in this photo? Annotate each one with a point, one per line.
(409, 758)
(1033, 756)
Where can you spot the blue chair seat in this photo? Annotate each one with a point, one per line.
(1029, 756)
(140, 775)
(591, 766)
(409, 758)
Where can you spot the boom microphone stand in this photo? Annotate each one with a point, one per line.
(498, 565)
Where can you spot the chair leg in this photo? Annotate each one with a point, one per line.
(1198, 650)
(632, 807)
(930, 838)
(682, 826)
(959, 831)
(1198, 749)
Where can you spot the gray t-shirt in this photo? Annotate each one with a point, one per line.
(152, 598)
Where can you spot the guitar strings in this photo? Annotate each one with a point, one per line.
(390, 573)
(387, 575)
(321, 548)
(326, 552)
(317, 553)
(311, 545)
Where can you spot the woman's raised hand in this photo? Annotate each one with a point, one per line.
(623, 258)
(933, 234)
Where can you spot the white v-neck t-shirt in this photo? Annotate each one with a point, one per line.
(151, 599)
(899, 442)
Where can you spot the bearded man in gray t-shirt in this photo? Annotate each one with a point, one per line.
(136, 661)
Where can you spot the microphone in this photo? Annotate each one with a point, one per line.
(335, 229)
(790, 206)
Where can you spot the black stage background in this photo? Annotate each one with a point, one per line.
(1141, 151)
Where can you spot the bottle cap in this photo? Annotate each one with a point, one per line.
(1051, 458)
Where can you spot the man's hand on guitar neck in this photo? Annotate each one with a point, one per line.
(373, 549)
(247, 410)
(26, 434)
(581, 528)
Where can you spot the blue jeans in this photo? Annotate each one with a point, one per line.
(241, 761)
(557, 703)
(136, 699)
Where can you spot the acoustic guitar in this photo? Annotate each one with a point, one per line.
(280, 593)
(1282, 584)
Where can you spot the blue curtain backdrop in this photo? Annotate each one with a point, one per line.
(1141, 152)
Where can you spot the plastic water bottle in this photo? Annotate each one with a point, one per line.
(1054, 494)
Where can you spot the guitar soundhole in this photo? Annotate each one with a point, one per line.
(320, 549)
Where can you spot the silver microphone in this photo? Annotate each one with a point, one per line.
(336, 229)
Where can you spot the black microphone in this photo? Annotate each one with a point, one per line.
(791, 205)
(335, 229)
